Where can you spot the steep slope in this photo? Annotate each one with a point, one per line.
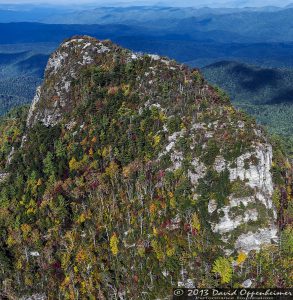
(132, 169)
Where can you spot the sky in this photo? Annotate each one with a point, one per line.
(214, 3)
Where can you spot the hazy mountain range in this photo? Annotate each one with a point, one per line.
(181, 3)
(198, 36)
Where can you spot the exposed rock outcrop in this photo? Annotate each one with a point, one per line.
(3, 176)
(54, 97)
(254, 169)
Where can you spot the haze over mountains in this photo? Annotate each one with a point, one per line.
(254, 33)
(180, 3)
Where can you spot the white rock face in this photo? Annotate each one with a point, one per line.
(212, 206)
(198, 168)
(86, 59)
(176, 158)
(55, 61)
(259, 175)
(238, 201)
(70, 42)
(220, 164)
(173, 139)
(102, 48)
(254, 240)
(3, 176)
(198, 172)
(33, 106)
(228, 224)
(10, 156)
(154, 56)
(253, 169)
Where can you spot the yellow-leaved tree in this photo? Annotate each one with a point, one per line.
(114, 244)
(222, 266)
(195, 222)
(241, 258)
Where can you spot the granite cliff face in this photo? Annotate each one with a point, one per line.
(257, 176)
(134, 163)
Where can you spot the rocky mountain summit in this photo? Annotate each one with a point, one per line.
(132, 168)
(63, 67)
(56, 97)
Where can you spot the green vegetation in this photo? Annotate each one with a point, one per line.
(241, 190)
(222, 266)
(264, 93)
(20, 74)
(277, 118)
(94, 207)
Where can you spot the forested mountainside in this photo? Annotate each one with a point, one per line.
(265, 93)
(20, 74)
(252, 84)
(130, 175)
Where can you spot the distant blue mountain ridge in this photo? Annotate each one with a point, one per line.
(195, 36)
